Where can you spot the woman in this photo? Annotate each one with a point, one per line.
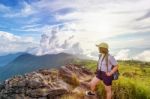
(104, 71)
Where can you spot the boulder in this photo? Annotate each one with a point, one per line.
(47, 83)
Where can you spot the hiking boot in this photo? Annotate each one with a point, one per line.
(89, 93)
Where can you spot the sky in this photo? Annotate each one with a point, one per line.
(76, 26)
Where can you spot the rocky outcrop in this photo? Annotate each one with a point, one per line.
(69, 80)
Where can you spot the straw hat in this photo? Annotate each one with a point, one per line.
(103, 45)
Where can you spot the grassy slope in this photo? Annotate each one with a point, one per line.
(134, 82)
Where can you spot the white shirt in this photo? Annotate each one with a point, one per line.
(102, 64)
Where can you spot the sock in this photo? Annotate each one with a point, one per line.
(93, 92)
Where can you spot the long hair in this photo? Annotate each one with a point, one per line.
(105, 51)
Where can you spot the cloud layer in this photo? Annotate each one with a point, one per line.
(10, 43)
(79, 25)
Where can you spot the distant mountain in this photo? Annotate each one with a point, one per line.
(5, 59)
(28, 63)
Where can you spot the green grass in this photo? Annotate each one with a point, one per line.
(134, 81)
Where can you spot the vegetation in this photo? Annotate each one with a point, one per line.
(71, 79)
(74, 80)
(134, 81)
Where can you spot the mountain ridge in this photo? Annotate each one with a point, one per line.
(5, 59)
(28, 63)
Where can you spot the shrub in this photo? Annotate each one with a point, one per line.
(126, 88)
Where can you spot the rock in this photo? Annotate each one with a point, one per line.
(73, 74)
(69, 76)
(34, 83)
(16, 81)
(40, 92)
(45, 71)
(47, 83)
(1, 86)
(42, 98)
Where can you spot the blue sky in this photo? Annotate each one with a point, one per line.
(78, 26)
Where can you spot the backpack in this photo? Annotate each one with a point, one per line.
(116, 74)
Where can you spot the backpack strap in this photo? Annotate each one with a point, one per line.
(98, 60)
(106, 61)
(101, 60)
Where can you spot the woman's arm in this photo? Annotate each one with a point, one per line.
(112, 71)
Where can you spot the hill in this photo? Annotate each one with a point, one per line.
(67, 82)
(133, 83)
(4, 60)
(71, 82)
(28, 63)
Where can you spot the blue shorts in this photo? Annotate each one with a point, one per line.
(107, 80)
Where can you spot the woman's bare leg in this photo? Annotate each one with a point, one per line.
(108, 92)
(93, 83)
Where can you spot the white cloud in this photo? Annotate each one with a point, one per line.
(11, 43)
(104, 19)
(123, 54)
(4, 8)
(144, 56)
(89, 23)
(95, 21)
(99, 18)
(14, 38)
(55, 41)
(27, 10)
(130, 42)
(7, 36)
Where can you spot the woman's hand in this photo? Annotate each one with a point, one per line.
(108, 73)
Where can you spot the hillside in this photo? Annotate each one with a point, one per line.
(134, 81)
(4, 60)
(28, 63)
(71, 82)
(68, 82)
